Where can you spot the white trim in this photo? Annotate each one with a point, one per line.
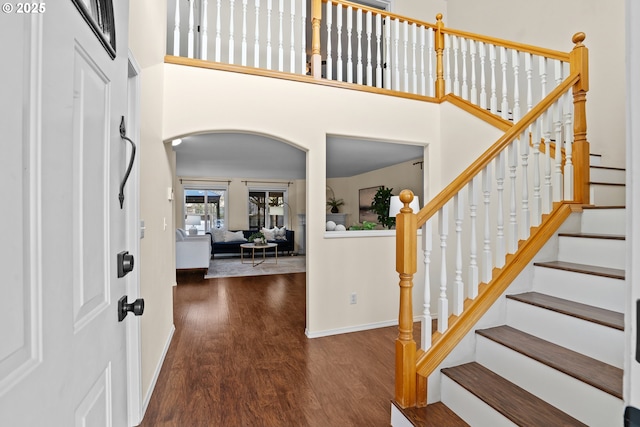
(358, 328)
(156, 374)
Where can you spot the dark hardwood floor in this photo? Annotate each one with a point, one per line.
(239, 357)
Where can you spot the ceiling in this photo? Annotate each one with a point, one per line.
(255, 156)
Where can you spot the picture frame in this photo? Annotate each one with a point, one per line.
(365, 198)
(99, 15)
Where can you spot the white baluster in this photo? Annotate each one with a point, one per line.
(303, 42)
(349, 48)
(430, 49)
(528, 67)
(405, 58)
(218, 54)
(493, 102)
(546, 130)
(447, 63)
(378, 50)
(243, 43)
(256, 43)
(269, 9)
(505, 103)
(414, 74)
(465, 84)
(329, 60)
(280, 35)
(359, 42)
(204, 34)
(426, 327)
(568, 148)
(176, 30)
(558, 71)
(423, 82)
(512, 154)
(231, 30)
(500, 242)
(292, 53)
(387, 52)
(190, 34)
(474, 85)
(456, 74)
(458, 286)
(369, 66)
(396, 62)
(537, 196)
(557, 176)
(483, 78)
(339, 43)
(524, 153)
(443, 303)
(515, 63)
(487, 262)
(472, 290)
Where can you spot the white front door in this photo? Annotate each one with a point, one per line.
(62, 348)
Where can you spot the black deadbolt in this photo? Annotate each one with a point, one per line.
(125, 263)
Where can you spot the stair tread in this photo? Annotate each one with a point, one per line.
(603, 207)
(614, 273)
(584, 368)
(434, 415)
(586, 312)
(513, 402)
(607, 167)
(607, 183)
(594, 236)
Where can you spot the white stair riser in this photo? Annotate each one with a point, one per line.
(591, 339)
(603, 292)
(595, 159)
(612, 176)
(604, 221)
(583, 402)
(599, 252)
(470, 408)
(607, 195)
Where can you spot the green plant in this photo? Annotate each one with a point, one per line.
(366, 225)
(335, 204)
(380, 206)
(258, 235)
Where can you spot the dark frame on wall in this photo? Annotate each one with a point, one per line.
(365, 199)
(99, 16)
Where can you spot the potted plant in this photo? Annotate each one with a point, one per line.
(258, 238)
(380, 206)
(335, 204)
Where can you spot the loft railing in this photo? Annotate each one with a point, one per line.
(488, 223)
(368, 49)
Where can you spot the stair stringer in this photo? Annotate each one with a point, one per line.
(464, 350)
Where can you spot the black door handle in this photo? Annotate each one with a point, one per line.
(136, 307)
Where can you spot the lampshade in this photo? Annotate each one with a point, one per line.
(395, 205)
(276, 210)
(193, 220)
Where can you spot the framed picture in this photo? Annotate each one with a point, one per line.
(99, 16)
(365, 198)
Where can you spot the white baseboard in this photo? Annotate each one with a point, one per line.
(358, 328)
(156, 374)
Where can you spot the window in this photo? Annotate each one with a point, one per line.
(208, 204)
(266, 209)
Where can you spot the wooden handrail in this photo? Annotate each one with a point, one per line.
(383, 13)
(481, 162)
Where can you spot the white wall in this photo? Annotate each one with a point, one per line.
(157, 259)
(551, 24)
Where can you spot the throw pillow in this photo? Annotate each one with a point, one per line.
(280, 233)
(218, 234)
(268, 234)
(234, 236)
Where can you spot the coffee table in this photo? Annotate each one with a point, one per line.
(253, 247)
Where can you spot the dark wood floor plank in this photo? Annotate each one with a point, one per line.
(586, 369)
(240, 357)
(613, 273)
(516, 404)
(586, 312)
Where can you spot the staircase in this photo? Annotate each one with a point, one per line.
(558, 358)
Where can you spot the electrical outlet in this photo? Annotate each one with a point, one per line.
(354, 298)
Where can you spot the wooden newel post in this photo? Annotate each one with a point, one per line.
(579, 58)
(406, 263)
(439, 44)
(316, 19)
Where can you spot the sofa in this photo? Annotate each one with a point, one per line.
(228, 242)
(192, 252)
